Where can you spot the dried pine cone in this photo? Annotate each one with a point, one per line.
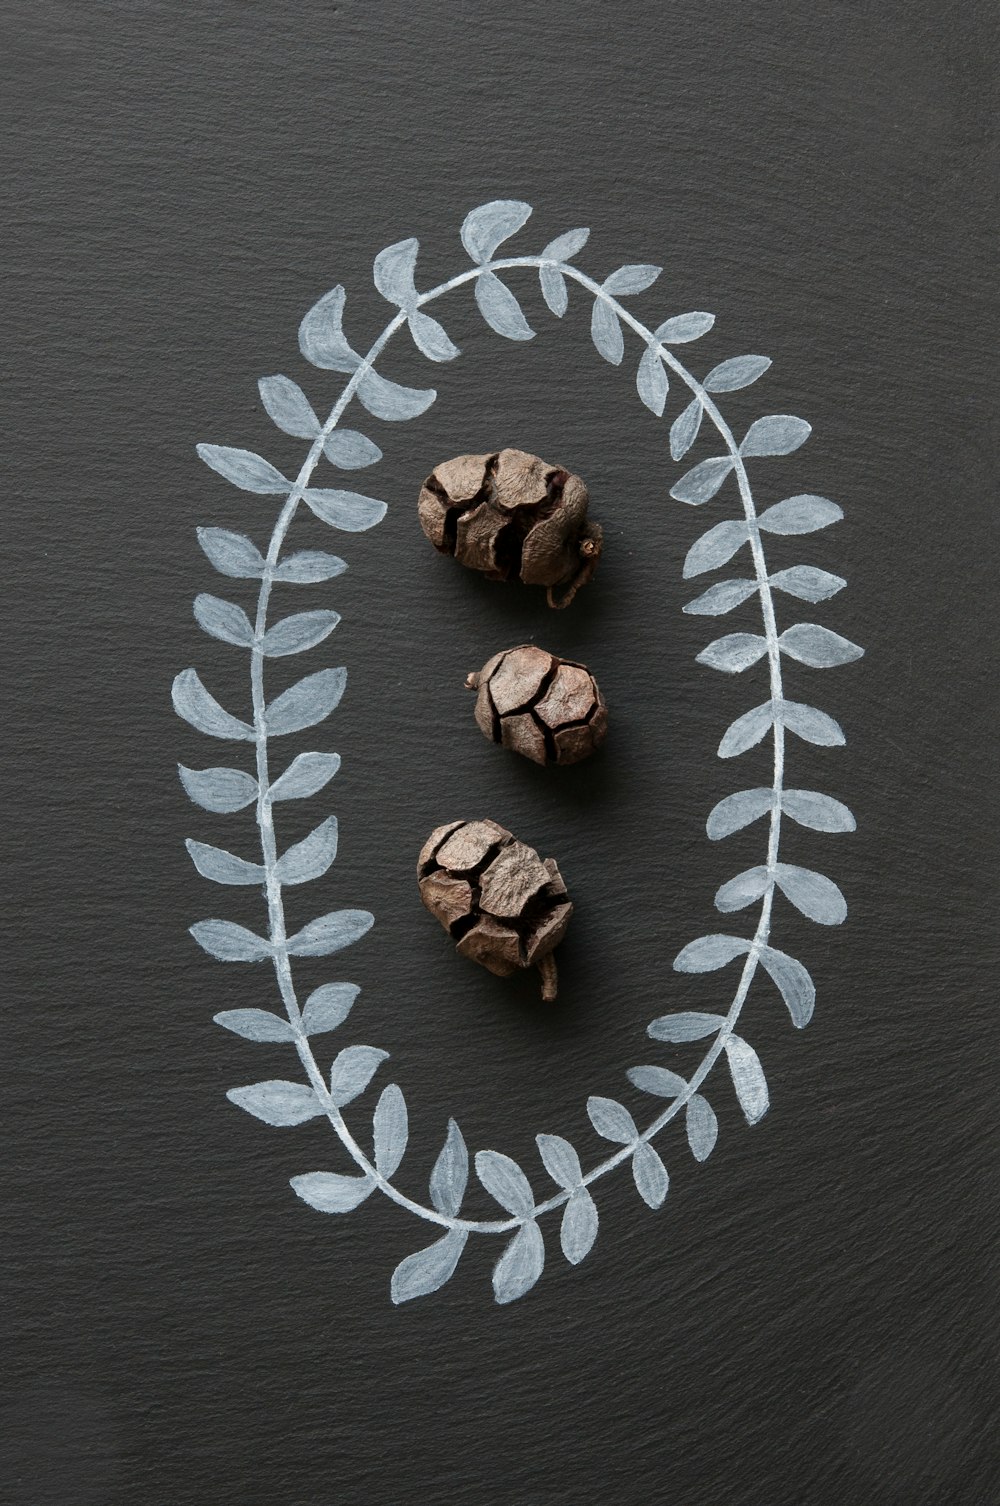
(513, 517)
(505, 907)
(549, 709)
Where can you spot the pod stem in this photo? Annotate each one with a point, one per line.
(550, 977)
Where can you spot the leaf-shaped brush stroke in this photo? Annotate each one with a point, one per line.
(501, 309)
(392, 401)
(554, 290)
(219, 790)
(709, 953)
(351, 450)
(223, 620)
(390, 1130)
(286, 403)
(747, 730)
(737, 811)
(328, 1006)
(229, 942)
(505, 1181)
(722, 598)
(255, 1025)
(737, 372)
(812, 725)
(817, 646)
(715, 547)
(734, 653)
(743, 889)
(520, 1265)
(560, 1160)
(329, 1192)
(702, 1127)
(700, 484)
(232, 553)
(431, 338)
(486, 228)
(349, 511)
(807, 583)
(223, 867)
(683, 328)
(310, 858)
(330, 933)
(748, 1079)
(657, 1080)
(451, 1173)
(802, 514)
(817, 811)
(197, 706)
(813, 893)
(565, 246)
(606, 332)
(306, 775)
(352, 1071)
(635, 278)
(428, 1270)
(394, 273)
(307, 702)
(650, 1176)
(651, 382)
(579, 1226)
(293, 635)
(612, 1120)
(309, 566)
(778, 434)
(684, 429)
(278, 1103)
(794, 983)
(321, 336)
(250, 472)
(687, 1026)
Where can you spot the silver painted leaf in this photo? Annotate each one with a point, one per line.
(738, 372)
(650, 1175)
(721, 598)
(394, 272)
(657, 1080)
(232, 553)
(328, 1006)
(606, 332)
(709, 953)
(700, 484)
(431, 338)
(229, 942)
(310, 858)
(488, 226)
(505, 1181)
(747, 730)
(733, 653)
(223, 620)
(778, 434)
(501, 309)
(349, 511)
(743, 889)
(250, 472)
(329, 1192)
(306, 775)
(737, 811)
(219, 790)
(223, 867)
(352, 1071)
(391, 401)
(278, 1103)
(814, 894)
(307, 702)
(350, 450)
(330, 933)
(802, 514)
(612, 1120)
(428, 1270)
(795, 985)
(309, 566)
(808, 583)
(520, 1265)
(197, 706)
(715, 547)
(391, 1130)
(819, 812)
(255, 1025)
(293, 635)
(812, 725)
(554, 290)
(565, 246)
(579, 1226)
(688, 1026)
(631, 279)
(321, 336)
(702, 1127)
(684, 429)
(286, 403)
(748, 1079)
(559, 1159)
(651, 382)
(684, 327)
(451, 1173)
(817, 646)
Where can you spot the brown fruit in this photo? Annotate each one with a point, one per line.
(504, 906)
(513, 517)
(547, 708)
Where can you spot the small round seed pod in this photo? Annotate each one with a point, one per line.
(505, 907)
(549, 709)
(513, 517)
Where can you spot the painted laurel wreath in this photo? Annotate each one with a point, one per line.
(310, 700)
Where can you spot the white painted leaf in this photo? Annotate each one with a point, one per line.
(223, 867)
(612, 1120)
(733, 653)
(329, 1192)
(306, 775)
(394, 271)
(286, 403)
(229, 942)
(255, 1025)
(812, 725)
(428, 1270)
(743, 889)
(352, 1071)
(748, 1079)
(701, 483)
(451, 1173)
(738, 372)
(803, 514)
(219, 790)
(345, 510)
(307, 702)
(331, 933)
(223, 620)
(796, 987)
(250, 472)
(232, 553)
(778, 434)
(505, 1181)
(814, 894)
(559, 1159)
(737, 811)
(684, 327)
(501, 309)
(554, 290)
(431, 338)
(657, 1080)
(310, 858)
(390, 400)
(808, 583)
(651, 382)
(631, 279)
(819, 812)
(197, 706)
(390, 1128)
(350, 450)
(293, 635)
(688, 1026)
(579, 1226)
(565, 246)
(321, 336)
(328, 1006)
(747, 730)
(684, 429)
(650, 1175)
(702, 1127)
(721, 598)
(309, 566)
(715, 547)
(817, 646)
(488, 226)
(709, 953)
(520, 1265)
(278, 1103)
(606, 332)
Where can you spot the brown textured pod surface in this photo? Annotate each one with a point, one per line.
(547, 708)
(513, 517)
(505, 908)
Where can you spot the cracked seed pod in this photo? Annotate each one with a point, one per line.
(549, 709)
(504, 906)
(513, 517)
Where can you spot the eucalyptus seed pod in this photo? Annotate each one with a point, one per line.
(549, 709)
(505, 907)
(513, 517)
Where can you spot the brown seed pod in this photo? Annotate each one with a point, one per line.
(513, 517)
(504, 906)
(549, 709)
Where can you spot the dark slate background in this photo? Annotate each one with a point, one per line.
(812, 1315)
